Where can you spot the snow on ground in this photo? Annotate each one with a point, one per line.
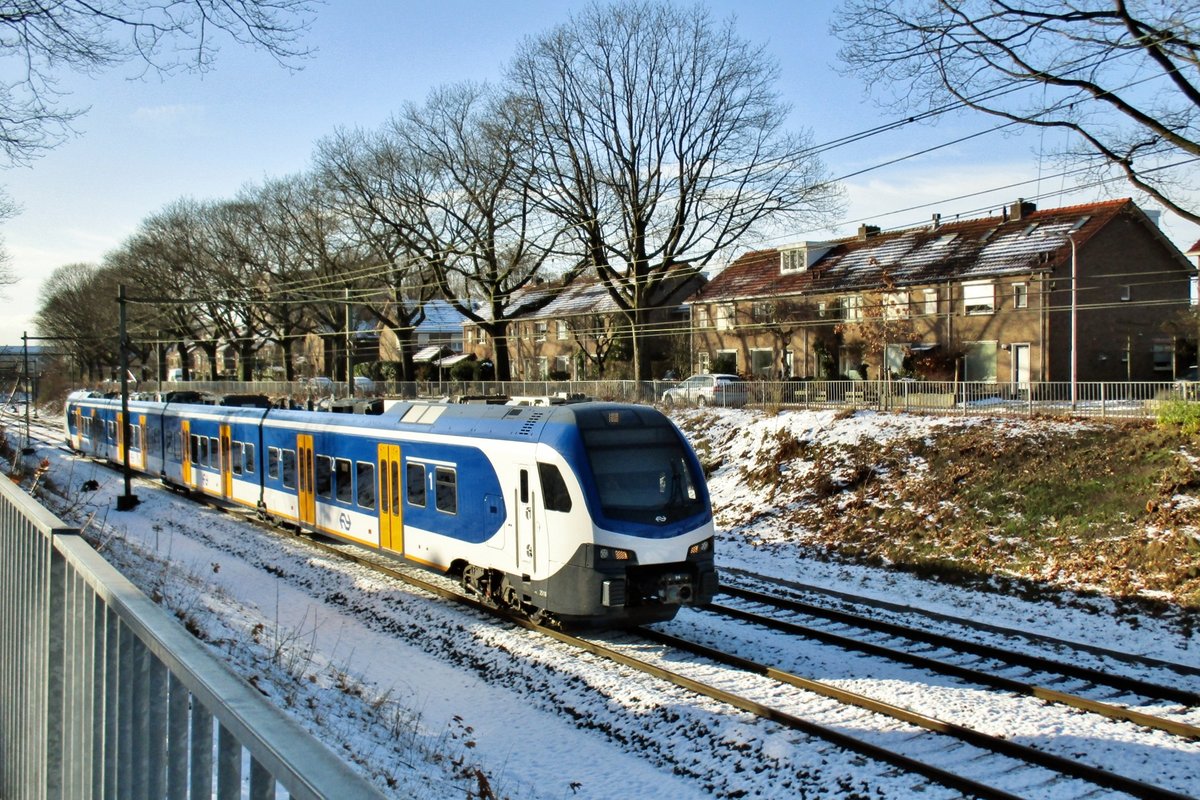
(432, 701)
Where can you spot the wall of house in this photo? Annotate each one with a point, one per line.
(1128, 286)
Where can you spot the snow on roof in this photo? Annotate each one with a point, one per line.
(974, 248)
(441, 316)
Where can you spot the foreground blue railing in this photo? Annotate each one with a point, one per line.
(104, 695)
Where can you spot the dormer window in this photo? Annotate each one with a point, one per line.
(801, 258)
(795, 260)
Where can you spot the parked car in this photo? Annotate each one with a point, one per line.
(320, 385)
(363, 384)
(708, 390)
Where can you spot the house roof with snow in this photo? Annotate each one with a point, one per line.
(1018, 242)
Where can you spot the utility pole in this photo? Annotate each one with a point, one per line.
(28, 449)
(127, 501)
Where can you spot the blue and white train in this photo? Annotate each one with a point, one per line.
(591, 513)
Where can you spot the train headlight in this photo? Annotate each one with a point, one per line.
(700, 548)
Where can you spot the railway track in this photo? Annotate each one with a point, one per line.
(968, 760)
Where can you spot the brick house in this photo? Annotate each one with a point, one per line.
(987, 299)
(581, 333)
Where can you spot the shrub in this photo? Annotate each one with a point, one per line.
(1181, 413)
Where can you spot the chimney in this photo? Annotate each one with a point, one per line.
(936, 222)
(867, 231)
(1021, 209)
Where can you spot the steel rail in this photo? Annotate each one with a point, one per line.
(1102, 652)
(1100, 777)
(975, 676)
(1144, 688)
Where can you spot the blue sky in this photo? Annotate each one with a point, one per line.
(146, 142)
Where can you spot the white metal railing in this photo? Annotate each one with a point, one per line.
(105, 695)
(1087, 398)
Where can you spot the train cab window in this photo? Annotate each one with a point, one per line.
(273, 463)
(324, 465)
(343, 480)
(248, 457)
(235, 457)
(446, 490)
(288, 470)
(555, 496)
(414, 480)
(366, 484)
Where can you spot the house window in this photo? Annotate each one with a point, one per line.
(980, 362)
(893, 359)
(895, 305)
(704, 361)
(852, 308)
(1164, 357)
(822, 308)
(539, 331)
(564, 331)
(762, 312)
(702, 318)
(1126, 291)
(931, 302)
(562, 365)
(762, 363)
(979, 297)
(725, 317)
(794, 260)
(1020, 295)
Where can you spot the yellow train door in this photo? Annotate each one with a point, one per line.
(77, 439)
(141, 441)
(305, 480)
(185, 433)
(120, 437)
(391, 523)
(226, 463)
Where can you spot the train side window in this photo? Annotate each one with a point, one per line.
(201, 454)
(366, 484)
(446, 490)
(273, 462)
(554, 489)
(135, 438)
(343, 480)
(235, 457)
(289, 468)
(324, 466)
(248, 450)
(414, 479)
(214, 452)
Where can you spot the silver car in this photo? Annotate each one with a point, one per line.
(708, 390)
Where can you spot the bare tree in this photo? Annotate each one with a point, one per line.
(1122, 77)
(659, 140)
(40, 40)
(450, 181)
(77, 306)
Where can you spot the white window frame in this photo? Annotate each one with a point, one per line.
(725, 317)
(1020, 295)
(895, 305)
(793, 260)
(979, 297)
(852, 308)
(931, 302)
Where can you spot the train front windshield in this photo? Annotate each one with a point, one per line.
(643, 474)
